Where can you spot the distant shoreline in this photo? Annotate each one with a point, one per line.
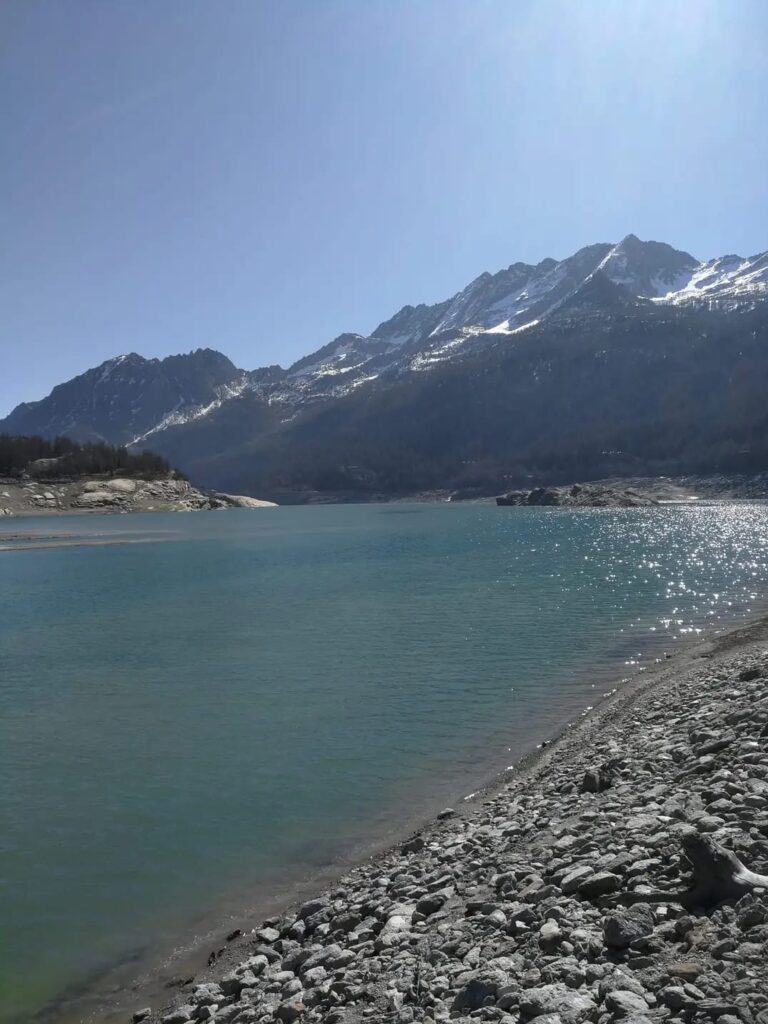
(111, 495)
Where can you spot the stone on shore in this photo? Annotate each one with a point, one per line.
(623, 927)
(570, 1006)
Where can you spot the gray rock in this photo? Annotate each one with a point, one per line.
(571, 1006)
(619, 981)
(597, 780)
(430, 904)
(623, 1003)
(574, 879)
(97, 498)
(122, 486)
(497, 918)
(234, 981)
(623, 927)
(477, 991)
(207, 994)
(290, 1010)
(312, 907)
(676, 998)
(603, 883)
(179, 1015)
(550, 934)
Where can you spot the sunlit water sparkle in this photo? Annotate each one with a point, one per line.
(184, 722)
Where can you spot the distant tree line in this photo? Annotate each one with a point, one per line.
(70, 458)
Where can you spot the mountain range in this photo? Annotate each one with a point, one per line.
(621, 358)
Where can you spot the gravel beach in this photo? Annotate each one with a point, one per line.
(562, 894)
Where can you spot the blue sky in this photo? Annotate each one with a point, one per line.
(260, 176)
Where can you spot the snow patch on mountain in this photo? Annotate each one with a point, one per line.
(504, 328)
(184, 413)
(728, 277)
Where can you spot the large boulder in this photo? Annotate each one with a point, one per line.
(122, 486)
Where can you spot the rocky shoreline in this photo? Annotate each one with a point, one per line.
(560, 895)
(108, 494)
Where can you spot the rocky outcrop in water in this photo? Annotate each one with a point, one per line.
(242, 501)
(577, 496)
(557, 898)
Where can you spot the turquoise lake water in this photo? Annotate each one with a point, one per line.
(236, 699)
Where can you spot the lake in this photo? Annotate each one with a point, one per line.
(217, 705)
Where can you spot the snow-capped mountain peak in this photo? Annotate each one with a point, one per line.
(649, 269)
(129, 398)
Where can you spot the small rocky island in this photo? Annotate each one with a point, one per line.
(577, 496)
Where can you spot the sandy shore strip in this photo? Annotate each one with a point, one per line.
(526, 901)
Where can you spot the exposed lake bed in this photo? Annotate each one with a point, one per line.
(464, 643)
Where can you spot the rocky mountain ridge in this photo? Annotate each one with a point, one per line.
(129, 398)
(222, 423)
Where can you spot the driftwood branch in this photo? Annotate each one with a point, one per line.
(718, 875)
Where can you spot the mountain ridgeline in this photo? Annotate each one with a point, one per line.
(622, 359)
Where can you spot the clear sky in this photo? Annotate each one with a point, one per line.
(260, 175)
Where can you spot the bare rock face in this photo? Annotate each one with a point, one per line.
(94, 498)
(122, 486)
(577, 496)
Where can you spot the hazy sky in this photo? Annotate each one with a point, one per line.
(259, 176)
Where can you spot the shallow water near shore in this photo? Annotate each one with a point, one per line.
(187, 721)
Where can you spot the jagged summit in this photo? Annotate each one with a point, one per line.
(124, 397)
(648, 268)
